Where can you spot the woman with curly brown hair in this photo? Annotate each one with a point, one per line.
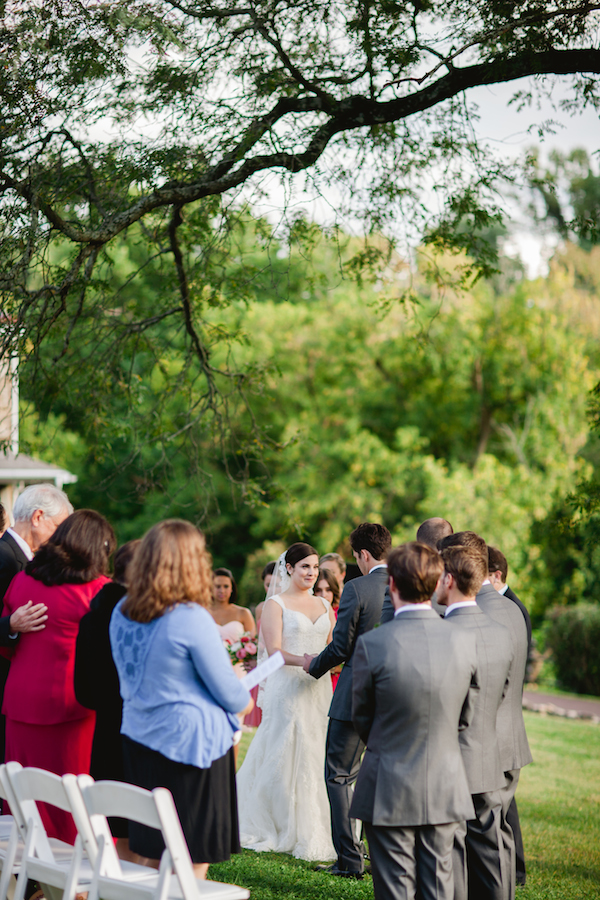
(180, 694)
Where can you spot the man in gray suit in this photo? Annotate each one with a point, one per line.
(413, 681)
(359, 611)
(512, 738)
(481, 870)
(429, 532)
(498, 573)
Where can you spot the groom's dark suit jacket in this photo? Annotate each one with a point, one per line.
(12, 560)
(359, 611)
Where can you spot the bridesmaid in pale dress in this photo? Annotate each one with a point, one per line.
(232, 620)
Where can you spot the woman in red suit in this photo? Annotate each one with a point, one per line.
(45, 725)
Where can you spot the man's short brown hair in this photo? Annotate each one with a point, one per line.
(415, 569)
(497, 562)
(467, 567)
(465, 539)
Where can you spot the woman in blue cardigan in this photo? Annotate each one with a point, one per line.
(180, 694)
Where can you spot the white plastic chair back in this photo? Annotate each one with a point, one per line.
(24, 806)
(11, 844)
(66, 870)
(91, 828)
(155, 809)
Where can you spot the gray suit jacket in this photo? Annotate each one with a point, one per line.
(479, 742)
(359, 611)
(413, 683)
(512, 738)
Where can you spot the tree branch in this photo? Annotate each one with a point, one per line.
(479, 39)
(200, 349)
(347, 114)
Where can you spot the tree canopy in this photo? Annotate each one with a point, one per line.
(471, 405)
(161, 116)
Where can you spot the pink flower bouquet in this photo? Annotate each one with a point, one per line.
(244, 649)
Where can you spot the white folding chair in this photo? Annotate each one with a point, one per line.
(156, 809)
(11, 844)
(53, 863)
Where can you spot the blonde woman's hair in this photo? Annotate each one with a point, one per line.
(170, 566)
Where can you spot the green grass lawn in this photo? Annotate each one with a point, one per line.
(559, 805)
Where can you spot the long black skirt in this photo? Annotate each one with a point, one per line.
(206, 802)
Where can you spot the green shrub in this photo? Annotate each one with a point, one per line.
(574, 638)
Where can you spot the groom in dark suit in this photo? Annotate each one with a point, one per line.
(359, 611)
(413, 684)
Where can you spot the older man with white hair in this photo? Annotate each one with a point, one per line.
(38, 511)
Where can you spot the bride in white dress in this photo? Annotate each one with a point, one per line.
(282, 797)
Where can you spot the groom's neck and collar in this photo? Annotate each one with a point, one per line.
(366, 563)
(370, 544)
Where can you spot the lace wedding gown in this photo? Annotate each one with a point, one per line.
(282, 798)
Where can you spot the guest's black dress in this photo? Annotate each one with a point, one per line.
(97, 687)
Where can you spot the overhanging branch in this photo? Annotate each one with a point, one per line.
(347, 114)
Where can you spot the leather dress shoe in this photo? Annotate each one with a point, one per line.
(342, 873)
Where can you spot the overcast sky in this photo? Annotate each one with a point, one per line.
(512, 132)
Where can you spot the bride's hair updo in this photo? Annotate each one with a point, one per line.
(299, 551)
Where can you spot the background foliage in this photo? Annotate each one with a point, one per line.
(471, 405)
(273, 380)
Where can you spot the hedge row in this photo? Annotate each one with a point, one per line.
(574, 637)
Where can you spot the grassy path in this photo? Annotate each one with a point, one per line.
(559, 805)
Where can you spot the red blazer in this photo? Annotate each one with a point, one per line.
(39, 689)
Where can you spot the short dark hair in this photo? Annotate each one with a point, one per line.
(226, 573)
(123, 558)
(299, 551)
(3, 518)
(433, 530)
(372, 537)
(497, 562)
(329, 577)
(268, 569)
(465, 539)
(77, 552)
(415, 569)
(466, 566)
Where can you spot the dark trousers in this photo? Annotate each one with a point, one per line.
(342, 763)
(512, 817)
(481, 865)
(410, 862)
